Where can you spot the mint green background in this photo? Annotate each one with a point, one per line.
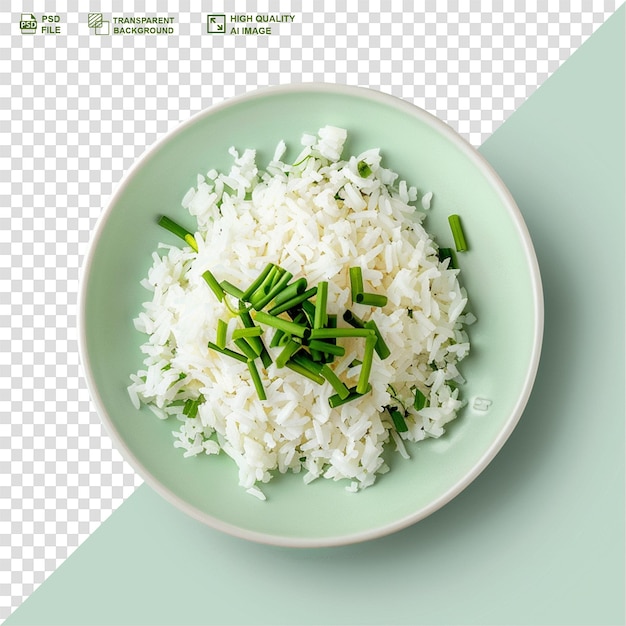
(538, 538)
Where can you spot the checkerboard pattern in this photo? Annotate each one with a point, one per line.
(79, 107)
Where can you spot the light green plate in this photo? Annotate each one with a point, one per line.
(500, 273)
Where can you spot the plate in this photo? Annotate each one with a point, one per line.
(500, 273)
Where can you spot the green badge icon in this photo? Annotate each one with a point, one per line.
(28, 24)
(216, 24)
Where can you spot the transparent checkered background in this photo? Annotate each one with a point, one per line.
(78, 108)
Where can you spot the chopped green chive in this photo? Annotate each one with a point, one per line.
(366, 367)
(285, 325)
(266, 357)
(274, 290)
(342, 391)
(320, 318)
(324, 346)
(257, 282)
(221, 333)
(216, 288)
(291, 291)
(398, 419)
(296, 367)
(291, 347)
(253, 331)
(447, 253)
(420, 400)
(356, 281)
(336, 400)
(231, 290)
(190, 408)
(228, 352)
(246, 348)
(457, 233)
(178, 230)
(382, 350)
(331, 333)
(371, 299)
(307, 363)
(263, 289)
(352, 319)
(363, 169)
(256, 379)
(292, 302)
(275, 342)
(253, 340)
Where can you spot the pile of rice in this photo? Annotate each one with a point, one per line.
(315, 218)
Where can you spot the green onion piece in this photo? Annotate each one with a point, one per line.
(398, 420)
(263, 289)
(246, 333)
(277, 276)
(173, 227)
(285, 339)
(178, 230)
(352, 319)
(325, 346)
(355, 363)
(291, 347)
(330, 333)
(291, 291)
(222, 326)
(228, 352)
(246, 348)
(309, 310)
(447, 253)
(216, 288)
(363, 169)
(275, 342)
(342, 391)
(420, 400)
(275, 290)
(190, 408)
(266, 357)
(366, 367)
(256, 379)
(382, 349)
(336, 400)
(305, 361)
(356, 282)
(285, 325)
(231, 290)
(296, 367)
(371, 299)
(254, 341)
(457, 233)
(320, 317)
(331, 322)
(291, 303)
(257, 282)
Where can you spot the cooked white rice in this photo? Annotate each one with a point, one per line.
(316, 219)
